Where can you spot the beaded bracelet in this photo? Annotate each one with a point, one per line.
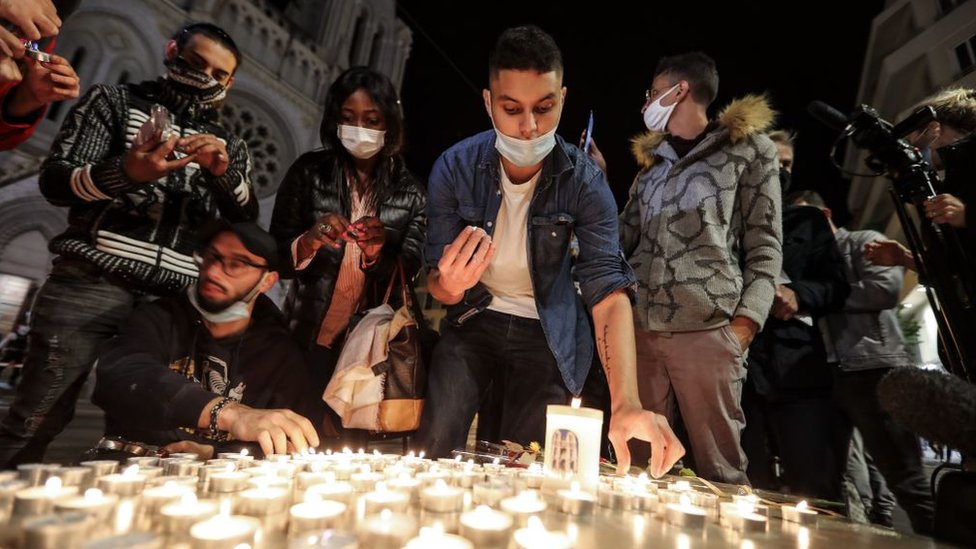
(215, 433)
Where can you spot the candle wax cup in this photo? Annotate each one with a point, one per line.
(57, 531)
(748, 522)
(617, 500)
(576, 502)
(315, 515)
(224, 531)
(436, 540)
(387, 499)
(336, 491)
(540, 538)
(177, 517)
(684, 515)
(805, 517)
(442, 498)
(260, 502)
(486, 527)
(386, 531)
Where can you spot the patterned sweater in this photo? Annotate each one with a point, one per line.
(704, 232)
(140, 233)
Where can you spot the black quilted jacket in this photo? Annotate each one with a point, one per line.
(313, 187)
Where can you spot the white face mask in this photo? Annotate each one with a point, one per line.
(238, 310)
(656, 116)
(362, 143)
(524, 152)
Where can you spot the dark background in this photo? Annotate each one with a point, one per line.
(794, 51)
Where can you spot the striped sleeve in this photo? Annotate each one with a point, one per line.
(84, 165)
(233, 190)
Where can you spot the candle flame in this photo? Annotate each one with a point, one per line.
(747, 544)
(496, 461)
(469, 467)
(682, 485)
(745, 507)
(440, 485)
(574, 487)
(643, 478)
(230, 467)
(386, 515)
(346, 450)
(188, 499)
(436, 529)
(411, 454)
(362, 451)
(243, 452)
(422, 454)
(131, 471)
(380, 486)
(53, 484)
(802, 506)
(377, 453)
(328, 452)
(93, 494)
(365, 469)
(576, 402)
(535, 523)
(685, 500)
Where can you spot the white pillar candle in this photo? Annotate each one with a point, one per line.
(535, 536)
(223, 531)
(39, 500)
(442, 498)
(177, 517)
(486, 527)
(57, 531)
(315, 514)
(572, 446)
(127, 483)
(521, 507)
(575, 501)
(387, 530)
(382, 498)
(684, 513)
(435, 538)
(800, 514)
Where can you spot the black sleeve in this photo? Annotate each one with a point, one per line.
(233, 191)
(292, 215)
(823, 287)
(410, 252)
(134, 381)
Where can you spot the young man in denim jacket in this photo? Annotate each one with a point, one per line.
(503, 206)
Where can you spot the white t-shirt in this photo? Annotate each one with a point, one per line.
(507, 276)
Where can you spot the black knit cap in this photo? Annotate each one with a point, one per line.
(255, 239)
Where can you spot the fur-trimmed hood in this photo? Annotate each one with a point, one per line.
(742, 118)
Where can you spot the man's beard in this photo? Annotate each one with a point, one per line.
(216, 305)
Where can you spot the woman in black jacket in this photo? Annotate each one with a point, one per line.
(346, 215)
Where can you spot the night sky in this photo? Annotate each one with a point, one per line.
(814, 50)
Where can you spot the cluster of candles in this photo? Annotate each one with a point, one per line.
(331, 500)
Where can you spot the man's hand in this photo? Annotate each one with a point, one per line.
(45, 83)
(277, 431)
(632, 422)
(784, 304)
(203, 451)
(594, 152)
(945, 208)
(370, 234)
(152, 160)
(210, 153)
(35, 18)
(745, 330)
(889, 253)
(465, 260)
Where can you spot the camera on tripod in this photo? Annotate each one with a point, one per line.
(939, 255)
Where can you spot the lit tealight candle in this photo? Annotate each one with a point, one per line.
(101, 467)
(435, 538)
(336, 491)
(486, 527)
(182, 468)
(442, 498)
(39, 500)
(127, 483)
(365, 480)
(406, 484)
(58, 531)
(315, 514)
(800, 514)
(684, 513)
(74, 476)
(523, 506)
(386, 530)
(467, 476)
(382, 498)
(618, 500)
(242, 458)
(575, 501)
(744, 518)
(94, 502)
(177, 517)
(228, 482)
(535, 536)
(491, 492)
(533, 476)
(224, 531)
(36, 473)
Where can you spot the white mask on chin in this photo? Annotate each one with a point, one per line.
(362, 143)
(656, 115)
(237, 310)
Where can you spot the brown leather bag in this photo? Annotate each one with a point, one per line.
(405, 369)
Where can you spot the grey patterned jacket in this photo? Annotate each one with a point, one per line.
(704, 232)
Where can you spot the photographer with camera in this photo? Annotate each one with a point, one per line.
(946, 144)
(139, 185)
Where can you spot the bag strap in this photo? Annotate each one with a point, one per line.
(398, 272)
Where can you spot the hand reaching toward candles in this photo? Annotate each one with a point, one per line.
(278, 431)
(633, 422)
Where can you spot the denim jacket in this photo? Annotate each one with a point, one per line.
(572, 198)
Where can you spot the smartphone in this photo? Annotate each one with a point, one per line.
(589, 134)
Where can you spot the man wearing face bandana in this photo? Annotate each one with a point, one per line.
(137, 193)
(702, 229)
(502, 208)
(213, 367)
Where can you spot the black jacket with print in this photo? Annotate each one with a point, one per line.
(141, 233)
(150, 385)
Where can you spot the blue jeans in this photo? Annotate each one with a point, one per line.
(74, 311)
(490, 348)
